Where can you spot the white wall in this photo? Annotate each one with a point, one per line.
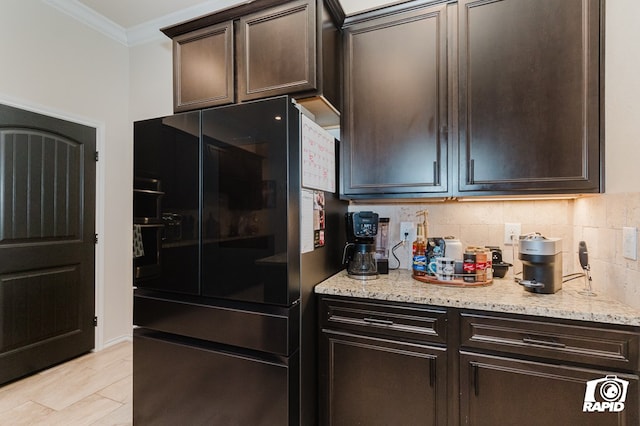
(151, 78)
(53, 64)
(599, 222)
(622, 92)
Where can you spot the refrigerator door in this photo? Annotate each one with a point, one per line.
(250, 249)
(166, 201)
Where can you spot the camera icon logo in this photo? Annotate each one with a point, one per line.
(607, 394)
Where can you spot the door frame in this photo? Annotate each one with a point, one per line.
(100, 201)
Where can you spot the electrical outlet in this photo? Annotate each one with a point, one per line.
(512, 232)
(406, 228)
(630, 243)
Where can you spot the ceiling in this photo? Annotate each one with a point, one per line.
(131, 13)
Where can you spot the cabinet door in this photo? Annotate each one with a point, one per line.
(497, 391)
(203, 69)
(529, 96)
(277, 51)
(395, 114)
(367, 381)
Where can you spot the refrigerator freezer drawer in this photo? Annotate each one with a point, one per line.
(269, 330)
(179, 383)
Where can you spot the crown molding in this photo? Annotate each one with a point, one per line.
(142, 33)
(150, 30)
(91, 18)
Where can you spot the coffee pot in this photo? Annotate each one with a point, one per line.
(360, 250)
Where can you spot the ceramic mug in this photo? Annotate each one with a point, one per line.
(445, 268)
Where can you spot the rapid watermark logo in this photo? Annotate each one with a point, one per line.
(605, 395)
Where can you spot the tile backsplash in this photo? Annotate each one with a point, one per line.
(597, 220)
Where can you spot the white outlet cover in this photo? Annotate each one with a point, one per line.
(630, 243)
(406, 227)
(509, 229)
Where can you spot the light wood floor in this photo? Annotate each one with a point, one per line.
(95, 389)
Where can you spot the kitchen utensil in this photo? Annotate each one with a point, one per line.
(583, 257)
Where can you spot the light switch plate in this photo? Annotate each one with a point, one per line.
(630, 243)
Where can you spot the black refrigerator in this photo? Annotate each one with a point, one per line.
(225, 260)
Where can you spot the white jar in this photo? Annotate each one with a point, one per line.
(453, 248)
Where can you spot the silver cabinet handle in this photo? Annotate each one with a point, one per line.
(375, 321)
(550, 343)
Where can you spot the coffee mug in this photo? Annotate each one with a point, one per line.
(445, 268)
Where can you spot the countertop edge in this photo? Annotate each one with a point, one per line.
(399, 286)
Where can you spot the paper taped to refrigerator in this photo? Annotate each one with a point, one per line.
(318, 157)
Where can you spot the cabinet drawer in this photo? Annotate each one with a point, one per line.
(406, 322)
(581, 343)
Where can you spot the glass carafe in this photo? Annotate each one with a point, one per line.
(362, 262)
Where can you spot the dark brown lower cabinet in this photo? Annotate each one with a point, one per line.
(390, 363)
(383, 382)
(500, 390)
(524, 370)
(382, 364)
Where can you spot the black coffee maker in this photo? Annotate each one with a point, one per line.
(360, 251)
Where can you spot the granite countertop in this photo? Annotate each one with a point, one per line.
(503, 295)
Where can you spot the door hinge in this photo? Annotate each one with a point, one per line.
(97, 156)
(95, 238)
(95, 321)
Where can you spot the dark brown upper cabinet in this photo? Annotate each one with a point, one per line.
(276, 51)
(529, 96)
(258, 50)
(395, 113)
(203, 72)
(473, 98)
